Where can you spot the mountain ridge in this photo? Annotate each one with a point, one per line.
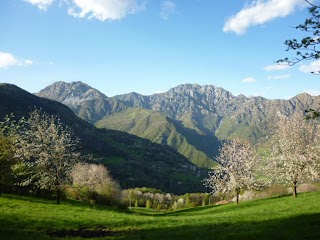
(133, 161)
(204, 114)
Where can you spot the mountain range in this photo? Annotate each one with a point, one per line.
(131, 160)
(190, 118)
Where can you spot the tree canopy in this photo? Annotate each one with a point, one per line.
(236, 170)
(46, 151)
(295, 152)
(306, 48)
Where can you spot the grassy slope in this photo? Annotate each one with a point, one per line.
(275, 218)
(158, 128)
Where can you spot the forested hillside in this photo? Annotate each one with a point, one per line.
(133, 161)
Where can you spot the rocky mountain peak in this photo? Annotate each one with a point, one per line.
(70, 93)
(303, 96)
(205, 92)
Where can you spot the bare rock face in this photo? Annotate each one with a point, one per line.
(202, 115)
(72, 94)
(87, 102)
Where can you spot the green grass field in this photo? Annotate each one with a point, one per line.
(273, 218)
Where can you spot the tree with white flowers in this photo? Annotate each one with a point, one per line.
(295, 151)
(98, 181)
(47, 149)
(236, 170)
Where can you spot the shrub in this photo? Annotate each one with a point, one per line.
(307, 187)
(93, 182)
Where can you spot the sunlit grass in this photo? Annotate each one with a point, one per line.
(274, 218)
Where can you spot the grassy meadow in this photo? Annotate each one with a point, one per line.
(273, 218)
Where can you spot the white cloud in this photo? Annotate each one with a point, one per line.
(312, 67)
(248, 80)
(28, 62)
(104, 9)
(260, 12)
(7, 60)
(279, 77)
(41, 4)
(313, 92)
(167, 9)
(276, 67)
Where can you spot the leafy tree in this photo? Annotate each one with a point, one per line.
(236, 169)
(148, 203)
(187, 203)
(295, 152)
(6, 161)
(312, 113)
(306, 49)
(49, 148)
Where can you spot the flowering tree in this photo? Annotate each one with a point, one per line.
(48, 149)
(295, 151)
(236, 169)
(97, 180)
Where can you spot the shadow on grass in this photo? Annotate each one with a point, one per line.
(20, 234)
(298, 227)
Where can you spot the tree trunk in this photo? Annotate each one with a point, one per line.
(58, 195)
(0, 185)
(238, 193)
(294, 189)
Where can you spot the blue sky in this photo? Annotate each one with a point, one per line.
(150, 46)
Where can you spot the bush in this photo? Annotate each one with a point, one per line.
(276, 190)
(93, 183)
(307, 187)
(248, 195)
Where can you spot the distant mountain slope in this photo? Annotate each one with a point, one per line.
(252, 119)
(161, 129)
(88, 103)
(202, 115)
(133, 161)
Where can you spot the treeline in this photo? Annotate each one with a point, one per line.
(155, 199)
(39, 155)
(292, 157)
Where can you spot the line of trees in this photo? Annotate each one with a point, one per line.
(39, 154)
(156, 199)
(294, 159)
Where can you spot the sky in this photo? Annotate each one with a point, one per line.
(150, 46)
